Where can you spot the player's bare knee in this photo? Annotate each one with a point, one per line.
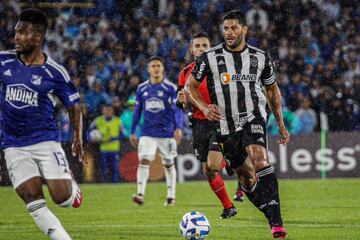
(213, 166)
(168, 166)
(61, 197)
(29, 195)
(144, 162)
(210, 174)
(248, 180)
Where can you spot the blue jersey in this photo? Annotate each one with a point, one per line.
(28, 97)
(157, 103)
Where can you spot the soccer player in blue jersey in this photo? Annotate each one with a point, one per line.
(162, 128)
(30, 82)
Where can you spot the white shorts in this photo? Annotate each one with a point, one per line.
(167, 147)
(45, 159)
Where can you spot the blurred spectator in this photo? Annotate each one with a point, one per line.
(256, 15)
(95, 97)
(291, 122)
(316, 40)
(127, 116)
(307, 117)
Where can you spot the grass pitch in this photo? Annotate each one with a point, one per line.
(312, 209)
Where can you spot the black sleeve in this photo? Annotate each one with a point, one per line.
(268, 76)
(202, 68)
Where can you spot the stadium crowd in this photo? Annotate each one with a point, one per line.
(315, 45)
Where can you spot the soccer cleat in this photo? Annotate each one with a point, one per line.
(139, 199)
(278, 231)
(170, 202)
(228, 212)
(239, 195)
(78, 199)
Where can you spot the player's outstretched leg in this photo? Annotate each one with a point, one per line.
(65, 193)
(31, 192)
(262, 190)
(141, 179)
(215, 163)
(170, 176)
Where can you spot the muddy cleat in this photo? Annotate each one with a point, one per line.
(139, 199)
(228, 212)
(239, 195)
(278, 231)
(170, 202)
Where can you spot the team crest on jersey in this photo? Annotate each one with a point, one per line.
(154, 105)
(21, 96)
(227, 78)
(160, 93)
(253, 61)
(36, 79)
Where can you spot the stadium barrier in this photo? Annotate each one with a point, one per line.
(304, 157)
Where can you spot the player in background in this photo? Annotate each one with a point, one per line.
(204, 136)
(30, 82)
(161, 130)
(236, 72)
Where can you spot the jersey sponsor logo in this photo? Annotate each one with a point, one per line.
(257, 128)
(221, 62)
(154, 105)
(241, 119)
(227, 78)
(36, 79)
(8, 73)
(253, 61)
(145, 94)
(21, 96)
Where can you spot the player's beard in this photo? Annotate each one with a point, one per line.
(26, 50)
(237, 43)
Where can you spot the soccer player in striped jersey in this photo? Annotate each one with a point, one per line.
(236, 73)
(30, 81)
(204, 136)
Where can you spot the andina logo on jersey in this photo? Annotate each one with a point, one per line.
(21, 96)
(227, 78)
(154, 105)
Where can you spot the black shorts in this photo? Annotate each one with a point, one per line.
(204, 138)
(234, 145)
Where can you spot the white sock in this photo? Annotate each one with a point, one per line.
(46, 220)
(142, 178)
(170, 175)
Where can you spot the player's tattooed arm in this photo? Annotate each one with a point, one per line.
(274, 97)
(77, 125)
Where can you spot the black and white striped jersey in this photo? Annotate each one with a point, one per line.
(235, 81)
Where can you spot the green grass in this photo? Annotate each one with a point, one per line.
(312, 209)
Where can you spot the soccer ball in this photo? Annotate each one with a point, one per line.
(194, 226)
(95, 135)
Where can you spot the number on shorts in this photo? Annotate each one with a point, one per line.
(60, 158)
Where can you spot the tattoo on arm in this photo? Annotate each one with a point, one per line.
(275, 102)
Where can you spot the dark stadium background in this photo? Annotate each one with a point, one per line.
(315, 46)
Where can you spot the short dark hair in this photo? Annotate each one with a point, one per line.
(200, 35)
(34, 16)
(235, 14)
(156, 58)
